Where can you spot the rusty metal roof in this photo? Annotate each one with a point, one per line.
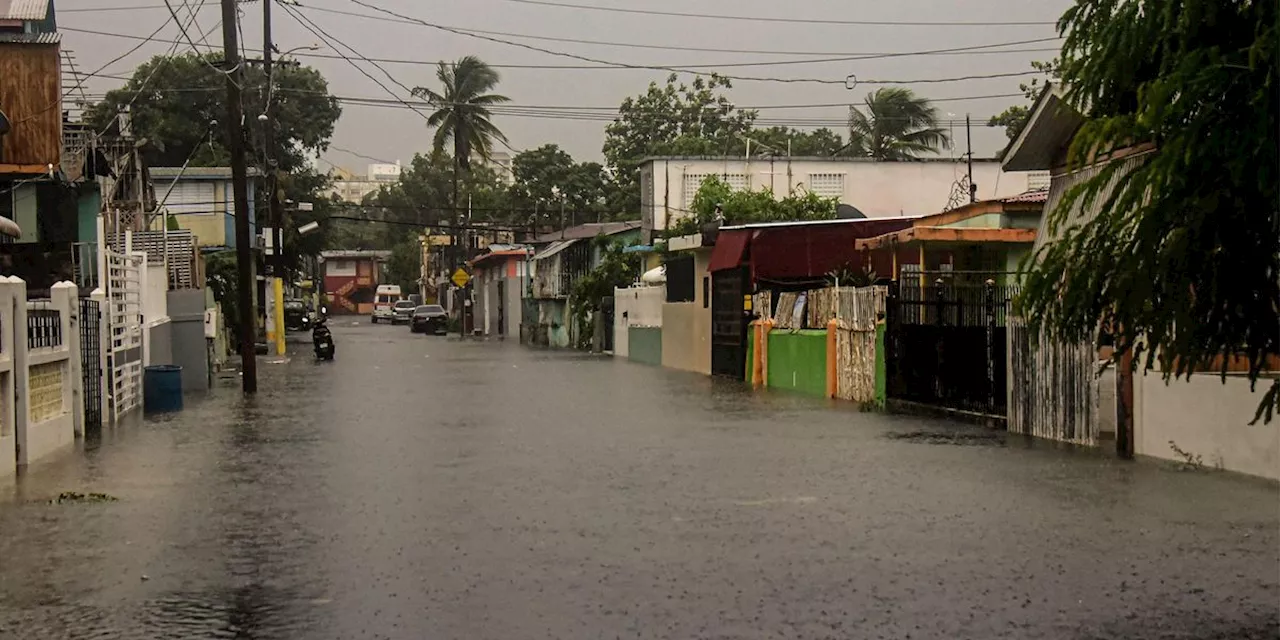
(30, 38)
(24, 9)
(1035, 196)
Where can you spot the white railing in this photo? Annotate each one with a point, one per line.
(125, 326)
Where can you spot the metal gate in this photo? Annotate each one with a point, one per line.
(607, 311)
(124, 314)
(729, 322)
(945, 345)
(91, 361)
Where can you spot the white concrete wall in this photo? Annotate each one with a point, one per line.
(40, 437)
(13, 294)
(878, 189)
(1205, 417)
(635, 307)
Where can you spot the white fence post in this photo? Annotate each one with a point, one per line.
(9, 331)
(66, 299)
(104, 349)
(21, 370)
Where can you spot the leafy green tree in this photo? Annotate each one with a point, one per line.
(420, 199)
(715, 198)
(174, 101)
(405, 265)
(895, 125)
(675, 119)
(782, 141)
(462, 117)
(616, 269)
(547, 175)
(1014, 118)
(1183, 256)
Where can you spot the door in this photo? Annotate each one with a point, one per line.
(502, 307)
(729, 323)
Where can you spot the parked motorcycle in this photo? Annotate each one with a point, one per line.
(322, 340)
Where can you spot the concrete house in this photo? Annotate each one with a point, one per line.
(351, 279)
(499, 278)
(560, 258)
(1206, 415)
(200, 199)
(876, 189)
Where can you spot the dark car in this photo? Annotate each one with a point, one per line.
(429, 318)
(295, 316)
(402, 312)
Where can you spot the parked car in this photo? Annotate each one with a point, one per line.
(402, 312)
(429, 318)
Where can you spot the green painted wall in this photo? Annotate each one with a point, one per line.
(87, 216)
(645, 345)
(798, 361)
(751, 355)
(882, 374)
(24, 212)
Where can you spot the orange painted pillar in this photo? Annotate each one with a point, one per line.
(764, 352)
(757, 330)
(831, 358)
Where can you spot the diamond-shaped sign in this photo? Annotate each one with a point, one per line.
(461, 277)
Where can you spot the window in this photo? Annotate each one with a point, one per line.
(691, 183)
(736, 181)
(191, 198)
(680, 279)
(342, 268)
(706, 291)
(827, 185)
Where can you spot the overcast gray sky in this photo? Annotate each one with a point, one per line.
(397, 133)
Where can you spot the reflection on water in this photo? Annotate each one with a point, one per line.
(421, 487)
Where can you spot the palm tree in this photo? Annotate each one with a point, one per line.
(462, 114)
(895, 126)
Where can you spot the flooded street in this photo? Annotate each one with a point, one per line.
(424, 487)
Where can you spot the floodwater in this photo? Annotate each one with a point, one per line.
(423, 487)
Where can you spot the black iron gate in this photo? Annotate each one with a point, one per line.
(946, 345)
(606, 319)
(729, 323)
(91, 361)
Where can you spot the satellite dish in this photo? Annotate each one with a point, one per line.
(849, 212)
(5, 127)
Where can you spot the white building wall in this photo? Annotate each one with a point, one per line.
(1206, 418)
(878, 189)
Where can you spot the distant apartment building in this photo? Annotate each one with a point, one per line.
(500, 162)
(353, 187)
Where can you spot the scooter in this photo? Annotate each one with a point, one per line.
(322, 340)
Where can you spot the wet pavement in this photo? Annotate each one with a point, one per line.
(422, 487)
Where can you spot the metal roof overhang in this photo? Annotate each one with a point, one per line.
(947, 234)
(553, 248)
(729, 249)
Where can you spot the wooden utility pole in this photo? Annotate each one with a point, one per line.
(240, 191)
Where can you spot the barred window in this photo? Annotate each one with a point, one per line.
(827, 185)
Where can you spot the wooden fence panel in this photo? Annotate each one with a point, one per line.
(1053, 388)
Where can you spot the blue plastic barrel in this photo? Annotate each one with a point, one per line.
(162, 388)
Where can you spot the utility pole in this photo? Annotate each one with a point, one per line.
(240, 191)
(275, 261)
(968, 136)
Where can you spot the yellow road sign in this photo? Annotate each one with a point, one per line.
(461, 277)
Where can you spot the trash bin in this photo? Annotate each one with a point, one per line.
(162, 388)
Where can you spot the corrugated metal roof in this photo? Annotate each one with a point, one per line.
(1079, 215)
(589, 230)
(1049, 128)
(24, 9)
(198, 173)
(30, 38)
(1029, 197)
(808, 223)
(554, 248)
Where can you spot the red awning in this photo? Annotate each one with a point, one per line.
(729, 249)
(811, 251)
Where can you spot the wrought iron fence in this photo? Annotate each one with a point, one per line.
(44, 326)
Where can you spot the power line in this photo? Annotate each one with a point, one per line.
(472, 34)
(843, 57)
(707, 16)
(317, 31)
